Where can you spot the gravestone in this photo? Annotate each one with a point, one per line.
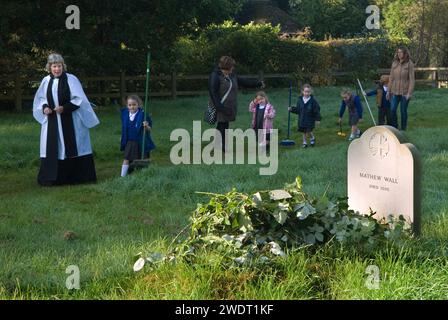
(384, 175)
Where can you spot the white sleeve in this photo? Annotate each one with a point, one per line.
(78, 97)
(39, 100)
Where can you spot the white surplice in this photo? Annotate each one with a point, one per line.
(84, 118)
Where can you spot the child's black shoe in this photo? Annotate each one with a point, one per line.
(304, 145)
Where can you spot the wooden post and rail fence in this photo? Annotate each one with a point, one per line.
(17, 89)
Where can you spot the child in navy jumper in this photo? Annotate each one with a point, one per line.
(384, 115)
(133, 122)
(308, 110)
(353, 103)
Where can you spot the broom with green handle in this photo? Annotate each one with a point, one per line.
(144, 162)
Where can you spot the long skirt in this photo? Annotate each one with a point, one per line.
(70, 171)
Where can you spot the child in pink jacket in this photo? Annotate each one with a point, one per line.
(263, 114)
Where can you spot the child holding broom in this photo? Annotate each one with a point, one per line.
(133, 122)
(384, 115)
(353, 103)
(308, 110)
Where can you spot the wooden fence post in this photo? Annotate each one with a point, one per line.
(173, 84)
(102, 91)
(261, 75)
(18, 92)
(437, 83)
(123, 88)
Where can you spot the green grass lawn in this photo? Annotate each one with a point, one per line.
(119, 217)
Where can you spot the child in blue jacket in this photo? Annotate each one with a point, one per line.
(133, 122)
(353, 103)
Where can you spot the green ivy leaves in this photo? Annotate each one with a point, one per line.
(303, 210)
(247, 229)
(281, 212)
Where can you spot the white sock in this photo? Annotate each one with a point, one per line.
(124, 170)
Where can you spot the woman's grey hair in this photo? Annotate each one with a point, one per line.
(55, 58)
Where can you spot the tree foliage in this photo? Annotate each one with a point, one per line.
(331, 18)
(114, 34)
(423, 23)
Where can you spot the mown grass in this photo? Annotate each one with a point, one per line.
(116, 218)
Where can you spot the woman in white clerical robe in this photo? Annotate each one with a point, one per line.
(65, 114)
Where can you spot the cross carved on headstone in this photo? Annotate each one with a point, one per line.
(379, 145)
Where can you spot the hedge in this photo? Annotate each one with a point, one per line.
(258, 47)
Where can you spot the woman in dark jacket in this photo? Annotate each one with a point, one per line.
(221, 80)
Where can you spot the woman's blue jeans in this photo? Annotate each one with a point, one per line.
(399, 99)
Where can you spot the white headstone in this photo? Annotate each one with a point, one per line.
(384, 175)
